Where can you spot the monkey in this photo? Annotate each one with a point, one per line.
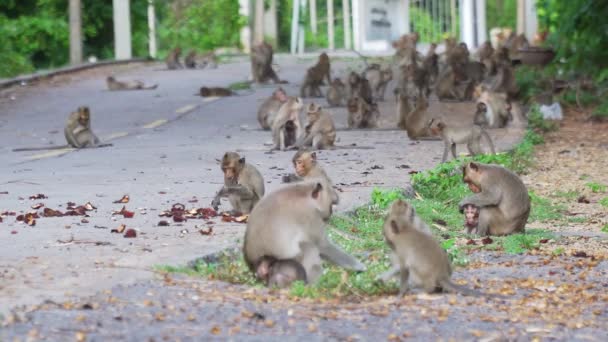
(416, 123)
(190, 60)
(336, 93)
(452, 135)
(320, 132)
(359, 86)
(173, 59)
(243, 184)
(289, 224)
(279, 273)
(270, 107)
(484, 55)
(209, 59)
(378, 78)
(445, 88)
(362, 114)
(289, 133)
(308, 169)
(493, 110)
(365, 91)
(405, 47)
(418, 253)
(77, 131)
(314, 77)
(114, 84)
(215, 92)
(261, 64)
(290, 110)
(471, 217)
(403, 109)
(417, 77)
(430, 64)
(500, 196)
(515, 43)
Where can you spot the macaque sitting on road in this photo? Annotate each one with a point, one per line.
(114, 84)
(289, 111)
(320, 132)
(173, 59)
(362, 114)
(243, 184)
(314, 77)
(500, 197)
(336, 94)
(378, 78)
(270, 107)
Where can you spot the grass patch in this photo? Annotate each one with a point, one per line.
(570, 195)
(596, 187)
(604, 228)
(537, 123)
(604, 202)
(243, 85)
(520, 243)
(601, 112)
(585, 98)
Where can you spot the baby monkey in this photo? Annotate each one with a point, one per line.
(418, 253)
(279, 273)
(452, 135)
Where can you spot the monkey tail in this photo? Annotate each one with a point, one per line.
(45, 148)
(151, 87)
(489, 140)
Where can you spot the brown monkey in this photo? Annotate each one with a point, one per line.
(484, 54)
(289, 224)
(289, 133)
(279, 273)
(452, 135)
(209, 59)
(77, 132)
(418, 77)
(320, 131)
(362, 114)
(336, 93)
(290, 110)
(430, 64)
(114, 84)
(493, 110)
(190, 60)
(243, 184)
(308, 169)
(173, 59)
(359, 86)
(417, 122)
(516, 42)
(269, 108)
(378, 78)
(445, 88)
(403, 110)
(215, 92)
(418, 254)
(261, 64)
(500, 196)
(314, 77)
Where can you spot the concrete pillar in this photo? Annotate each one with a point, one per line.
(330, 25)
(406, 17)
(521, 16)
(301, 28)
(270, 23)
(347, 34)
(245, 10)
(75, 32)
(313, 16)
(151, 29)
(482, 30)
(122, 29)
(531, 21)
(467, 22)
(258, 22)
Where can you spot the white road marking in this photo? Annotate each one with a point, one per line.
(156, 123)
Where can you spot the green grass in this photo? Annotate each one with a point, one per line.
(604, 228)
(520, 243)
(243, 85)
(601, 112)
(604, 202)
(570, 195)
(596, 187)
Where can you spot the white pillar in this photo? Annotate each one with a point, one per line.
(531, 21)
(313, 16)
(521, 14)
(347, 34)
(270, 23)
(301, 29)
(467, 23)
(481, 27)
(151, 29)
(75, 32)
(122, 29)
(330, 25)
(406, 17)
(258, 22)
(295, 17)
(245, 10)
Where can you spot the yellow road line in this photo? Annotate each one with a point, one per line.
(185, 109)
(156, 123)
(116, 135)
(49, 154)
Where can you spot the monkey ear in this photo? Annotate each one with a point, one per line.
(317, 190)
(242, 161)
(394, 227)
(313, 155)
(474, 166)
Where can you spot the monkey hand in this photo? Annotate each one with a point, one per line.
(215, 204)
(286, 179)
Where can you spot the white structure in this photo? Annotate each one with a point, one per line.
(473, 29)
(122, 29)
(378, 22)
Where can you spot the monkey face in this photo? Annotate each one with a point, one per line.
(302, 166)
(232, 164)
(263, 268)
(84, 115)
(280, 95)
(471, 175)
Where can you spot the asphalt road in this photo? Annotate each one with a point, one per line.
(166, 142)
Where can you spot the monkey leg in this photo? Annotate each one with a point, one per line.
(474, 147)
(389, 274)
(290, 178)
(335, 255)
(490, 221)
(404, 276)
(311, 261)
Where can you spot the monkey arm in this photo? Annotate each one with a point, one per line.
(290, 178)
(337, 256)
(485, 198)
(305, 140)
(237, 190)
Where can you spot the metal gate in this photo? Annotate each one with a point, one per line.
(434, 20)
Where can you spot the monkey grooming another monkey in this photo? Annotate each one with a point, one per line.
(243, 184)
(290, 224)
(500, 196)
(290, 110)
(173, 59)
(418, 254)
(336, 93)
(114, 84)
(320, 132)
(279, 273)
(77, 133)
(451, 135)
(269, 108)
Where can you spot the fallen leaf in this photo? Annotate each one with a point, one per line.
(48, 212)
(88, 206)
(13, 232)
(583, 199)
(216, 330)
(124, 199)
(120, 229)
(38, 196)
(84, 221)
(124, 212)
(37, 206)
(487, 240)
(207, 231)
(471, 242)
(241, 219)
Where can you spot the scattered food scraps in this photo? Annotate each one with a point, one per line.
(124, 199)
(38, 196)
(131, 233)
(120, 229)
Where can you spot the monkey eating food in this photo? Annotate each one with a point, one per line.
(243, 184)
